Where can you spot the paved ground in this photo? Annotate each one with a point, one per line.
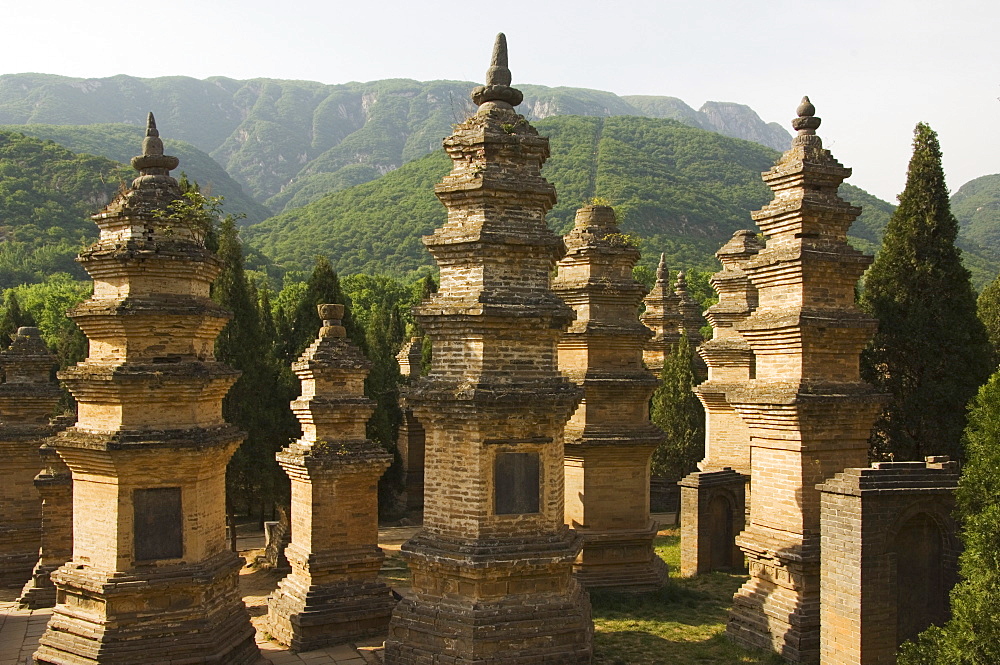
(20, 629)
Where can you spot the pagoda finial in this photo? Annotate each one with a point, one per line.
(153, 162)
(681, 286)
(807, 122)
(498, 78)
(661, 269)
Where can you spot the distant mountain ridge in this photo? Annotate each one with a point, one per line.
(291, 142)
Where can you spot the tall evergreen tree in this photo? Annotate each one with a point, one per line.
(675, 409)
(931, 351)
(972, 635)
(253, 402)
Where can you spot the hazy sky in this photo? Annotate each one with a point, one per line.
(873, 68)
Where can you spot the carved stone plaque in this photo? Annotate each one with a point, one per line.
(516, 485)
(159, 523)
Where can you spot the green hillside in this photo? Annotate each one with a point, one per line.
(290, 142)
(976, 204)
(682, 190)
(121, 142)
(47, 194)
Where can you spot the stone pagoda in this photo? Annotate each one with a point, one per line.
(492, 567)
(690, 311)
(28, 397)
(713, 499)
(609, 439)
(152, 579)
(332, 594)
(663, 317)
(808, 411)
(55, 486)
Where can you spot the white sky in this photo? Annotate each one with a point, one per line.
(872, 68)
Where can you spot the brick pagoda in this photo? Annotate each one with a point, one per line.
(410, 440)
(332, 594)
(808, 411)
(492, 567)
(151, 579)
(713, 498)
(28, 397)
(609, 439)
(663, 317)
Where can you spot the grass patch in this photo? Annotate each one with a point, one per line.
(683, 623)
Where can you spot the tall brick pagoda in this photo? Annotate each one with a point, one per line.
(713, 499)
(663, 317)
(332, 594)
(28, 397)
(151, 579)
(609, 438)
(808, 411)
(492, 567)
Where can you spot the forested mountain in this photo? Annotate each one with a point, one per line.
(679, 189)
(121, 142)
(290, 142)
(47, 194)
(976, 204)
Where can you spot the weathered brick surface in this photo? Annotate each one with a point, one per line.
(331, 595)
(609, 438)
(807, 409)
(28, 396)
(889, 557)
(492, 567)
(410, 441)
(149, 425)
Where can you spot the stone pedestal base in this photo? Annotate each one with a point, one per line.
(39, 592)
(312, 608)
(712, 515)
(778, 607)
(622, 560)
(160, 616)
(509, 604)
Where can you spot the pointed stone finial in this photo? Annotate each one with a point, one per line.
(497, 89)
(681, 285)
(661, 269)
(153, 162)
(807, 122)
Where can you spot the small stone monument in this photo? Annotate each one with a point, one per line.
(332, 595)
(609, 439)
(28, 397)
(55, 485)
(889, 557)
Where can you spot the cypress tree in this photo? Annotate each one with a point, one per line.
(253, 403)
(972, 635)
(931, 351)
(675, 409)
